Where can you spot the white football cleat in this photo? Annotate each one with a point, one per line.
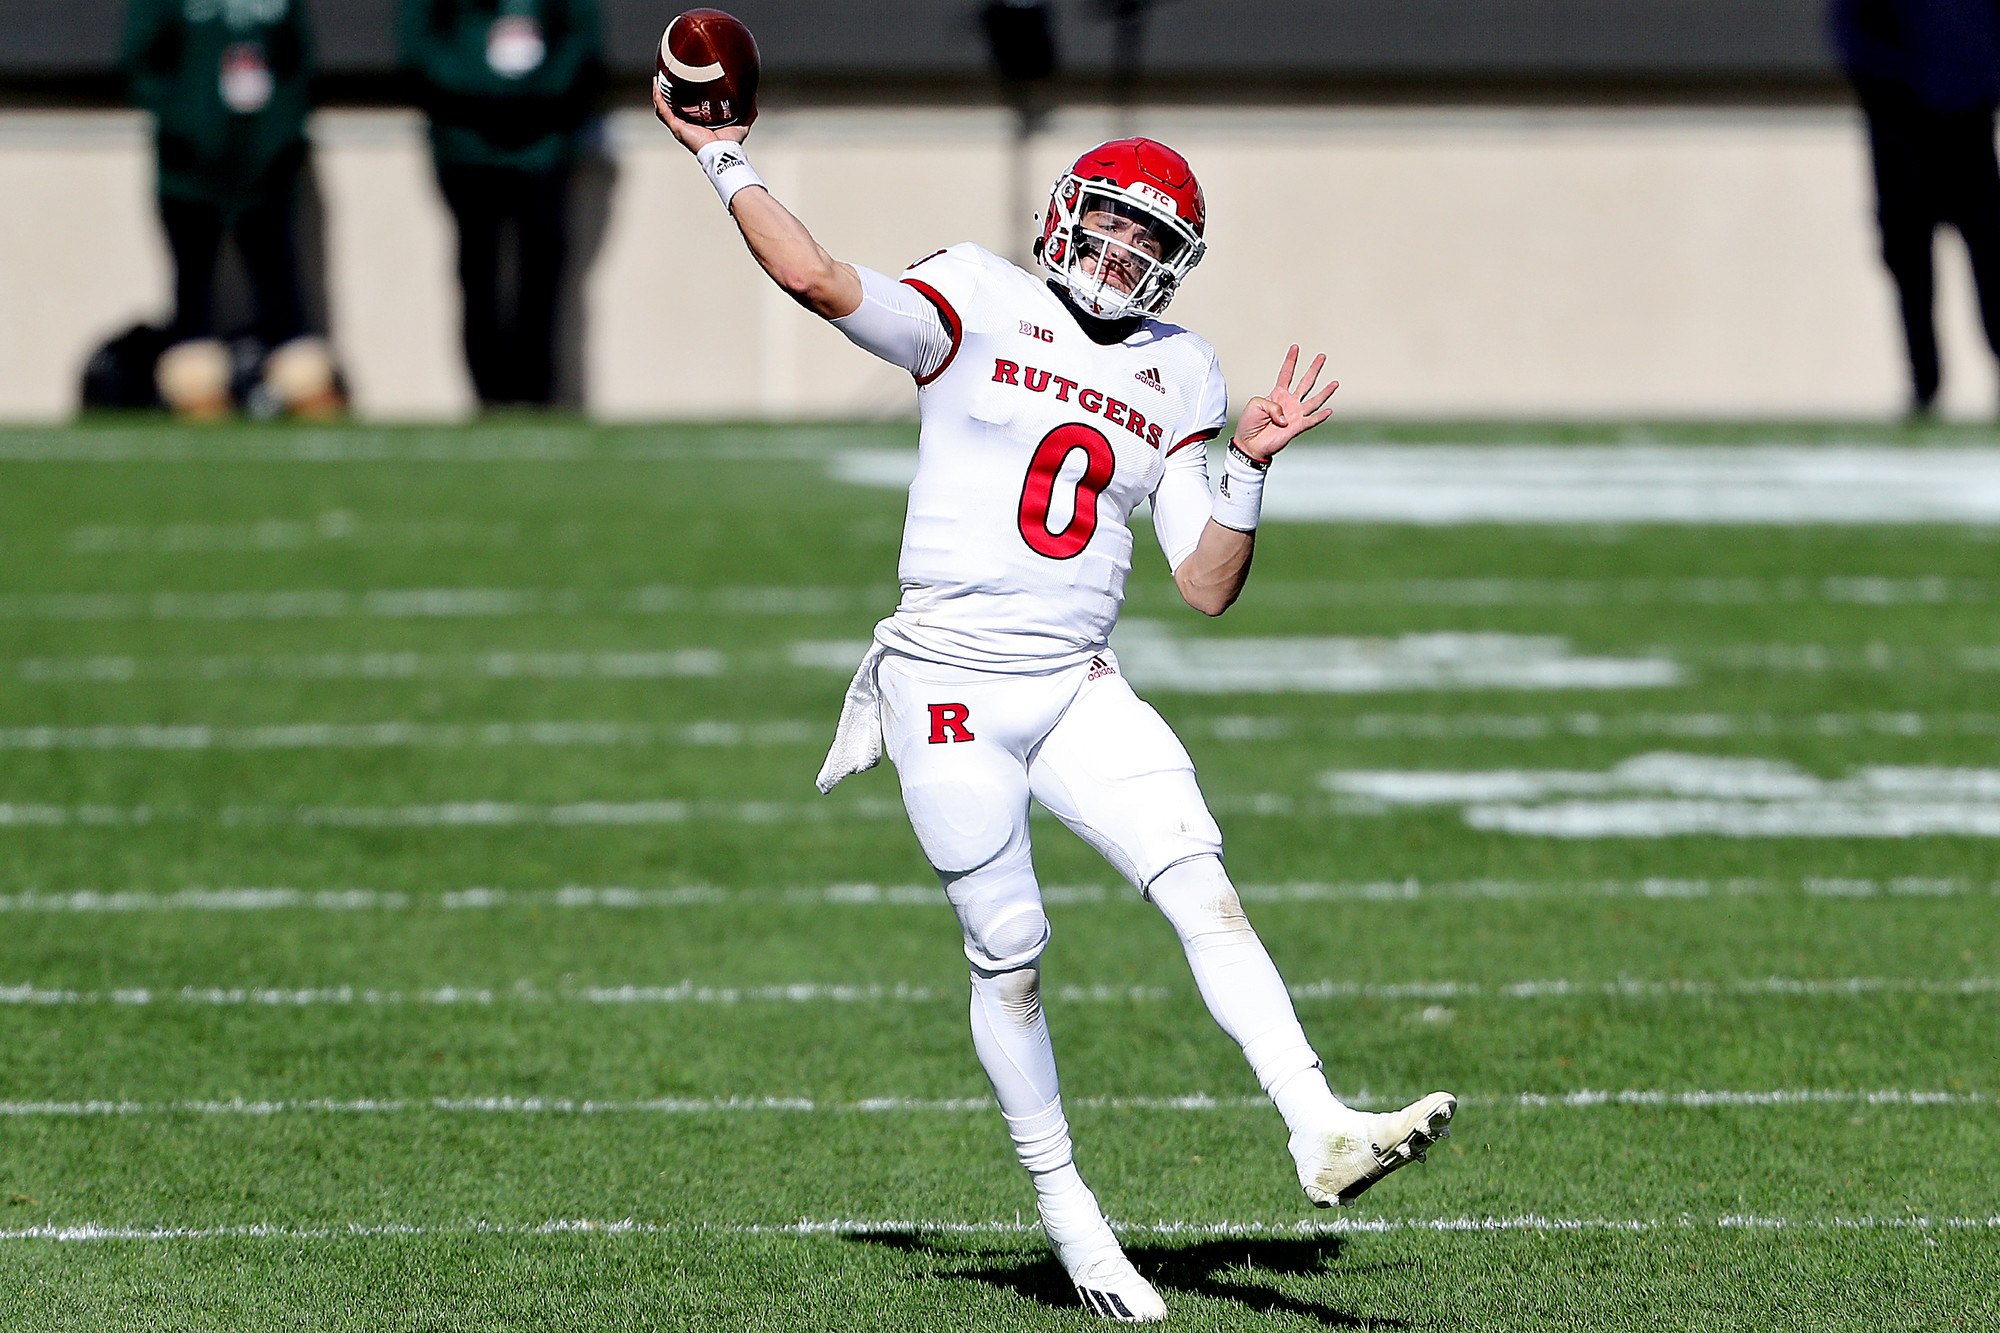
(1106, 1282)
(1337, 1167)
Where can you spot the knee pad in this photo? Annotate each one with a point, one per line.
(1000, 912)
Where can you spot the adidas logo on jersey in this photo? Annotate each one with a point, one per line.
(1150, 377)
(1099, 668)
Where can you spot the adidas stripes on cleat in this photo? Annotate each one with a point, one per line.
(1107, 1284)
(1337, 1167)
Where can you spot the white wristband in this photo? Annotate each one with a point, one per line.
(1239, 500)
(728, 169)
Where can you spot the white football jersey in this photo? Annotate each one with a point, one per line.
(1037, 444)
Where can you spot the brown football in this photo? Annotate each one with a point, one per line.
(707, 69)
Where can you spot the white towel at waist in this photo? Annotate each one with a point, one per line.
(857, 742)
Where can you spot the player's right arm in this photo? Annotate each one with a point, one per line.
(778, 241)
(876, 313)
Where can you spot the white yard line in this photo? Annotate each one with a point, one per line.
(337, 526)
(85, 1232)
(1634, 483)
(1153, 657)
(775, 442)
(679, 993)
(841, 655)
(1252, 727)
(464, 814)
(408, 733)
(1872, 656)
(929, 896)
(404, 733)
(1665, 795)
(660, 599)
(593, 813)
(1577, 1100)
(32, 995)
(498, 665)
(1651, 796)
(438, 603)
(1833, 589)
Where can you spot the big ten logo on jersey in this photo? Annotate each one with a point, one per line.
(1090, 400)
(948, 723)
(1033, 331)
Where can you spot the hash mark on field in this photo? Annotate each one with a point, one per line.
(1580, 1099)
(97, 1232)
(815, 992)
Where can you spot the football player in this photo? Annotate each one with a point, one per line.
(1050, 410)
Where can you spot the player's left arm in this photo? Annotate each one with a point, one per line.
(778, 241)
(1212, 576)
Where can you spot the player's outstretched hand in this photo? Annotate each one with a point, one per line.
(1290, 410)
(693, 137)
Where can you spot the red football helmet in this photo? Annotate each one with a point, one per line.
(1123, 228)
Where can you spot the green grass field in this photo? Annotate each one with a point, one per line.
(416, 914)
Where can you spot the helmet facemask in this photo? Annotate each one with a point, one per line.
(1121, 251)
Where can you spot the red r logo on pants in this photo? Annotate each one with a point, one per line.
(948, 723)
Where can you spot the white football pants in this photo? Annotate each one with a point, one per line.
(971, 748)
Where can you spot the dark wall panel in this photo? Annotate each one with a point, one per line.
(914, 40)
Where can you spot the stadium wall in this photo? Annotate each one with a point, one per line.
(1667, 262)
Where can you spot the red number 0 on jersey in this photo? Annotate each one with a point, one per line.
(1039, 489)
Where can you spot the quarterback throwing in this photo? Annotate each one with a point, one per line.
(1050, 410)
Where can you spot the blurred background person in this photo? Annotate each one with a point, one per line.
(228, 83)
(1927, 73)
(508, 86)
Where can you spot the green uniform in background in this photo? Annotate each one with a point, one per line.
(229, 86)
(508, 85)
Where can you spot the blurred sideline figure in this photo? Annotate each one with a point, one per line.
(1927, 73)
(508, 85)
(228, 83)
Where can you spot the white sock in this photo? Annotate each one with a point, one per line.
(1011, 1035)
(1244, 992)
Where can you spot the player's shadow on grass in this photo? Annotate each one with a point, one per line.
(1221, 1270)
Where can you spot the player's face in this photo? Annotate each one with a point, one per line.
(1132, 235)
